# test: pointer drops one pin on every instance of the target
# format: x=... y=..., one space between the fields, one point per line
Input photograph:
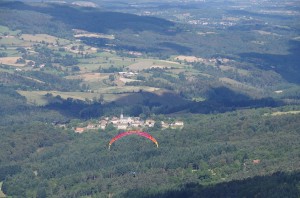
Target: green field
x=44 y=37
x=6 y=30
x=141 y=64
x=3 y=29
x=34 y=97
x=103 y=60
x=109 y=93
x=278 y=113
x=11 y=40
x=10 y=51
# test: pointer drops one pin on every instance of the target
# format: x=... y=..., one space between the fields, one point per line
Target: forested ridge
x=38 y=158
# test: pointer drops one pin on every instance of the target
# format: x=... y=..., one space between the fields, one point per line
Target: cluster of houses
x=135 y=53
x=207 y=61
x=127 y=74
x=124 y=123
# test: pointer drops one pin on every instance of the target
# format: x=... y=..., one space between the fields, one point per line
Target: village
x=127 y=123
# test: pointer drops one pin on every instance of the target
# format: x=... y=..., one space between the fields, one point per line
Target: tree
x=111 y=77
x=4 y=46
x=157 y=125
x=30 y=63
x=81 y=48
x=101 y=98
x=110 y=127
x=41 y=192
x=20 y=61
x=3 y=54
x=181 y=76
x=21 y=50
x=75 y=68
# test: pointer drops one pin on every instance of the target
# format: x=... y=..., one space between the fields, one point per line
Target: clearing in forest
x=38 y=97
x=11 y=61
x=82 y=33
x=34 y=97
x=189 y=58
x=43 y=38
x=149 y=64
x=141 y=65
x=284 y=113
x=89 y=76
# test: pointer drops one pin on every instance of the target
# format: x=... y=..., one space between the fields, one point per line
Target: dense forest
x=38 y=158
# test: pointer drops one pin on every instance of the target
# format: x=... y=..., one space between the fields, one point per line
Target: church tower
x=121 y=116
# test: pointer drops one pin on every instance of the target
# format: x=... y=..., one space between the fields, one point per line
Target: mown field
x=109 y=94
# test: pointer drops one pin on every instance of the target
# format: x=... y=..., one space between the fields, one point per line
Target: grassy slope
x=1 y=193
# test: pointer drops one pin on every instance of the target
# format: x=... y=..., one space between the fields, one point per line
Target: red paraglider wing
x=140 y=133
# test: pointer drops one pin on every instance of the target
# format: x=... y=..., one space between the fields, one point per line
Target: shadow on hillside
x=95 y=20
x=223 y=99
x=219 y=100
x=285 y=65
x=176 y=47
x=152 y=99
x=278 y=185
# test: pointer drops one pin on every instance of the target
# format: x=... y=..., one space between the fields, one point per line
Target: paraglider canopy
x=140 y=133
